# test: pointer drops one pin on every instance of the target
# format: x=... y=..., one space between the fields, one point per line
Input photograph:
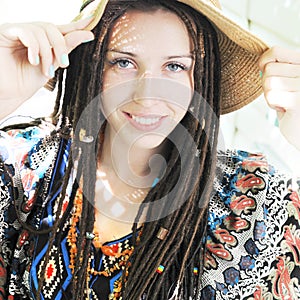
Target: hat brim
x=239 y=53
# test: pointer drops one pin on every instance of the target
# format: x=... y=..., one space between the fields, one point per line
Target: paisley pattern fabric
x=253 y=242
x=253 y=237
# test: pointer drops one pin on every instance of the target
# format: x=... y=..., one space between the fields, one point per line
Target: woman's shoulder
x=246 y=184
x=250 y=172
x=253 y=229
x=26 y=156
x=249 y=161
x=243 y=172
x=17 y=145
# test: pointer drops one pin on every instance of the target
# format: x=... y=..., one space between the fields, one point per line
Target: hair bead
x=90 y=235
x=196 y=271
x=160 y=269
x=162 y=233
x=85 y=138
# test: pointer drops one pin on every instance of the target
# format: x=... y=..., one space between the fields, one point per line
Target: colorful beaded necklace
x=114 y=250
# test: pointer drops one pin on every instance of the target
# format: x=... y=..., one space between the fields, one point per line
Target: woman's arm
x=29 y=55
x=281 y=84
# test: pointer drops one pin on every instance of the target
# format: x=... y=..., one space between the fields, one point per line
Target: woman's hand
x=29 y=55
x=281 y=84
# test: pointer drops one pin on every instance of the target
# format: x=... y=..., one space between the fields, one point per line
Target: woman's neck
x=124 y=179
x=133 y=165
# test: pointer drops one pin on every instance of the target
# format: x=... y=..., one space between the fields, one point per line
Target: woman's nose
x=148 y=89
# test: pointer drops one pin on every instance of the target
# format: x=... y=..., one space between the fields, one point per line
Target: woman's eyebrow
x=191 y=56
x=122 y=52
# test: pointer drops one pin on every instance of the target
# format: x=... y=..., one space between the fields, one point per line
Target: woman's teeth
x=145 y=121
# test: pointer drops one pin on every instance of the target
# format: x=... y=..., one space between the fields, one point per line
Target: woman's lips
x=145 y=122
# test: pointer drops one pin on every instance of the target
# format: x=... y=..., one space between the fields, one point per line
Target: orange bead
x=97 y=244
x=106 y=250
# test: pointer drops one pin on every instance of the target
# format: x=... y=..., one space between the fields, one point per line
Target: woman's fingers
x=45 y=53
x=279 y=54
x=18 y=36
x=281 y=78
x=54 y=51
x=47 y=44
x=63 y=39
x=30 y=53
x=75 y=38
x=282 y=69
x=281 y=85
x=282 y=101
x=73 y=26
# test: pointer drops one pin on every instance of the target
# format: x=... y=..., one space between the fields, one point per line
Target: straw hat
x=239 y=50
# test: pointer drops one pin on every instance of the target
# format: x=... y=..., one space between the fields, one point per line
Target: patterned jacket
x=253 y=238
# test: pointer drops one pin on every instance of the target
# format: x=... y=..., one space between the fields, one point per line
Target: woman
x=115 y=199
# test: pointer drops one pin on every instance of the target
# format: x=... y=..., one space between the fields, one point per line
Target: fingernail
x=279 y=109
x=260 y=74
x=35 y=60
x=65 y=59
x=86 y=41
x=51 y=71
x=90 y=16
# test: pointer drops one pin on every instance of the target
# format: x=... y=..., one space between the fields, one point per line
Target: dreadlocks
x=187 y=180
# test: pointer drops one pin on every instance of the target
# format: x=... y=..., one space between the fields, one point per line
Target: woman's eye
x=175 y=67
x=122 y=63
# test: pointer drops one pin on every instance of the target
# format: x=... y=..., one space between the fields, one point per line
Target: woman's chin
x=149 y=142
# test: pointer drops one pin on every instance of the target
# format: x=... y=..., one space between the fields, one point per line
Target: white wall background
x=254 y=127
x=251 y=128
x=57 y=11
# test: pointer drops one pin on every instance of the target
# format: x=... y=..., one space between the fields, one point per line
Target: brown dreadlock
x=182 y=249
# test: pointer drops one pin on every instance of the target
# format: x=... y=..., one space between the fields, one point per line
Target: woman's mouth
x=145 y=122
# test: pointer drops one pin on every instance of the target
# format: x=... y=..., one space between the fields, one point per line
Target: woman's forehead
x=136 y=26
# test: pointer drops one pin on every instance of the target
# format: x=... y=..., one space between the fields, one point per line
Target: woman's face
x=148 y=77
